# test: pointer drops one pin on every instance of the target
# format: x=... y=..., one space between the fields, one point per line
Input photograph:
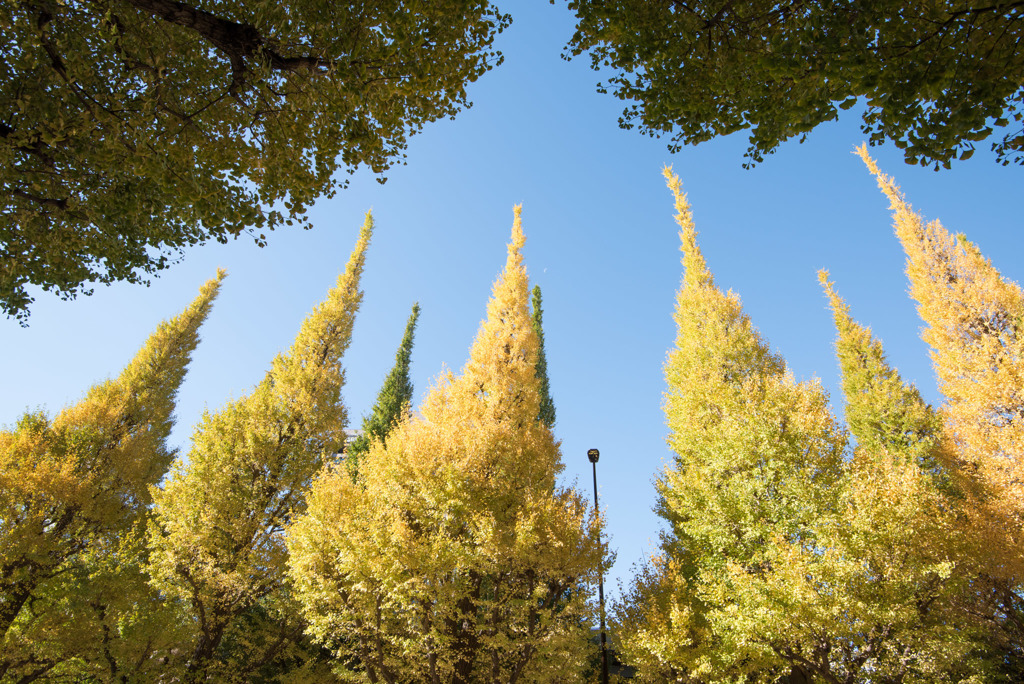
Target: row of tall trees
x=116 y=155
x=799 y=549
x=439 y=548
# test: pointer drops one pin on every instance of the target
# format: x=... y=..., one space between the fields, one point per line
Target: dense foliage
x=394 y=401
x=798 y=547
x=933 y=77
x=793 y=553
x=131 y=129
x=454 y=557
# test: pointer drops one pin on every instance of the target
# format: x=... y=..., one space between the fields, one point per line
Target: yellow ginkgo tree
x=790 y=554
x=757 y=458
x=974 y=322
x=216 y=543
x=455 y=557
x=75 y=487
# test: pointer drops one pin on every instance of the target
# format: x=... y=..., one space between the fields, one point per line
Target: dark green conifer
x=393 y=400
x=546 y=414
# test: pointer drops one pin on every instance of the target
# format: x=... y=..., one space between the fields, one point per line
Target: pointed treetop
x=974 y=320
x=327 y=330
x=697 y=272
x=503 y=357
x=136 y=409
x=712 y=330
x=883 y=412
x=216 y=524
x=546 y=414
x=87 y=474
x=393 y=401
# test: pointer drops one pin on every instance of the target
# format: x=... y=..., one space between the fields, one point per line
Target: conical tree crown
x=546 y=414
x=393 y=401
x=216 y=540
x=898 y=535
x=717 y=352
x=756 y=458
x=496 y=398
x=456 y=523
x=975 y=326
x=502 y=360
x=735 y=414
x=88 y=472
x=135 y=410
x=882 y=412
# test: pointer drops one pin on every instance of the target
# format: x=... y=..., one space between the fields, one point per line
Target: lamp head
x=593 y=455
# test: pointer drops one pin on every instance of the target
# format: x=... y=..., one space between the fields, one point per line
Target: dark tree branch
x=237 y=41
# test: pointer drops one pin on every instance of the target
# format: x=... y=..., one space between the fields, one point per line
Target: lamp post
x=593 y=455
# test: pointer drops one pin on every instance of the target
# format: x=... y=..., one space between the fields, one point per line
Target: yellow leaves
x=974 y=324
x=455 y=526
x=216 y=541
x=72 y=494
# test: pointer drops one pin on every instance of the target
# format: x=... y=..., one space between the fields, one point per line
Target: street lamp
x=593 y=455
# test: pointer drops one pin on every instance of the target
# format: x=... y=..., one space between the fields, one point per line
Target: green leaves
x=934 y=76
x=132 y=132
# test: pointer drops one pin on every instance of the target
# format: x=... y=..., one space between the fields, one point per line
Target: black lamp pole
x=593 y=455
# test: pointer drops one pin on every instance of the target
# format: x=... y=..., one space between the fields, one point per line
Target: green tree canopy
x=131 y=129
x=393 y=400
x=936 y=77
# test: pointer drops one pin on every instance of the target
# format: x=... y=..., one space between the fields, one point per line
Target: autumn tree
x=132 y=129
x=546 y=414
x=891 y=588
x=973 y=320
x=216 y=541
x=456 y=558
x=786 y=557
x=934 y=78
x=393 y=401
x=75 y=486
x=757 y=458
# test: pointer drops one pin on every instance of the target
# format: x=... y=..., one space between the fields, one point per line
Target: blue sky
x=601 y=243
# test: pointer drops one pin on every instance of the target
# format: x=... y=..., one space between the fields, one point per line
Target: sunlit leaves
x=934 y=77
x=126 y=138
x=216 y=541
x=455 y=558
x=73 y=491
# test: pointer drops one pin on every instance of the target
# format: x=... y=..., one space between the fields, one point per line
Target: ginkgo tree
x=456 y=558
x=75 y=487
x=133 y=129
x=975 y=326
x=216 y=539
x=790 y=554
x=757 y=459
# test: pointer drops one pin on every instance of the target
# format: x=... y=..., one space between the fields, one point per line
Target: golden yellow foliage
x=974 y=323
x=216 y=542
x=786 y=557
x=455 y=558
x=75 y=483
x=974 y=320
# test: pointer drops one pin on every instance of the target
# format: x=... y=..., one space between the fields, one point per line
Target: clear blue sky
x=601 y=243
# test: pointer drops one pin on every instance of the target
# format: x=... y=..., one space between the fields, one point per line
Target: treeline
x=439 y=547
x=800 y=549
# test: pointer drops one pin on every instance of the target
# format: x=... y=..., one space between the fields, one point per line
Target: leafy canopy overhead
x=935 y=77
x=131 y=129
